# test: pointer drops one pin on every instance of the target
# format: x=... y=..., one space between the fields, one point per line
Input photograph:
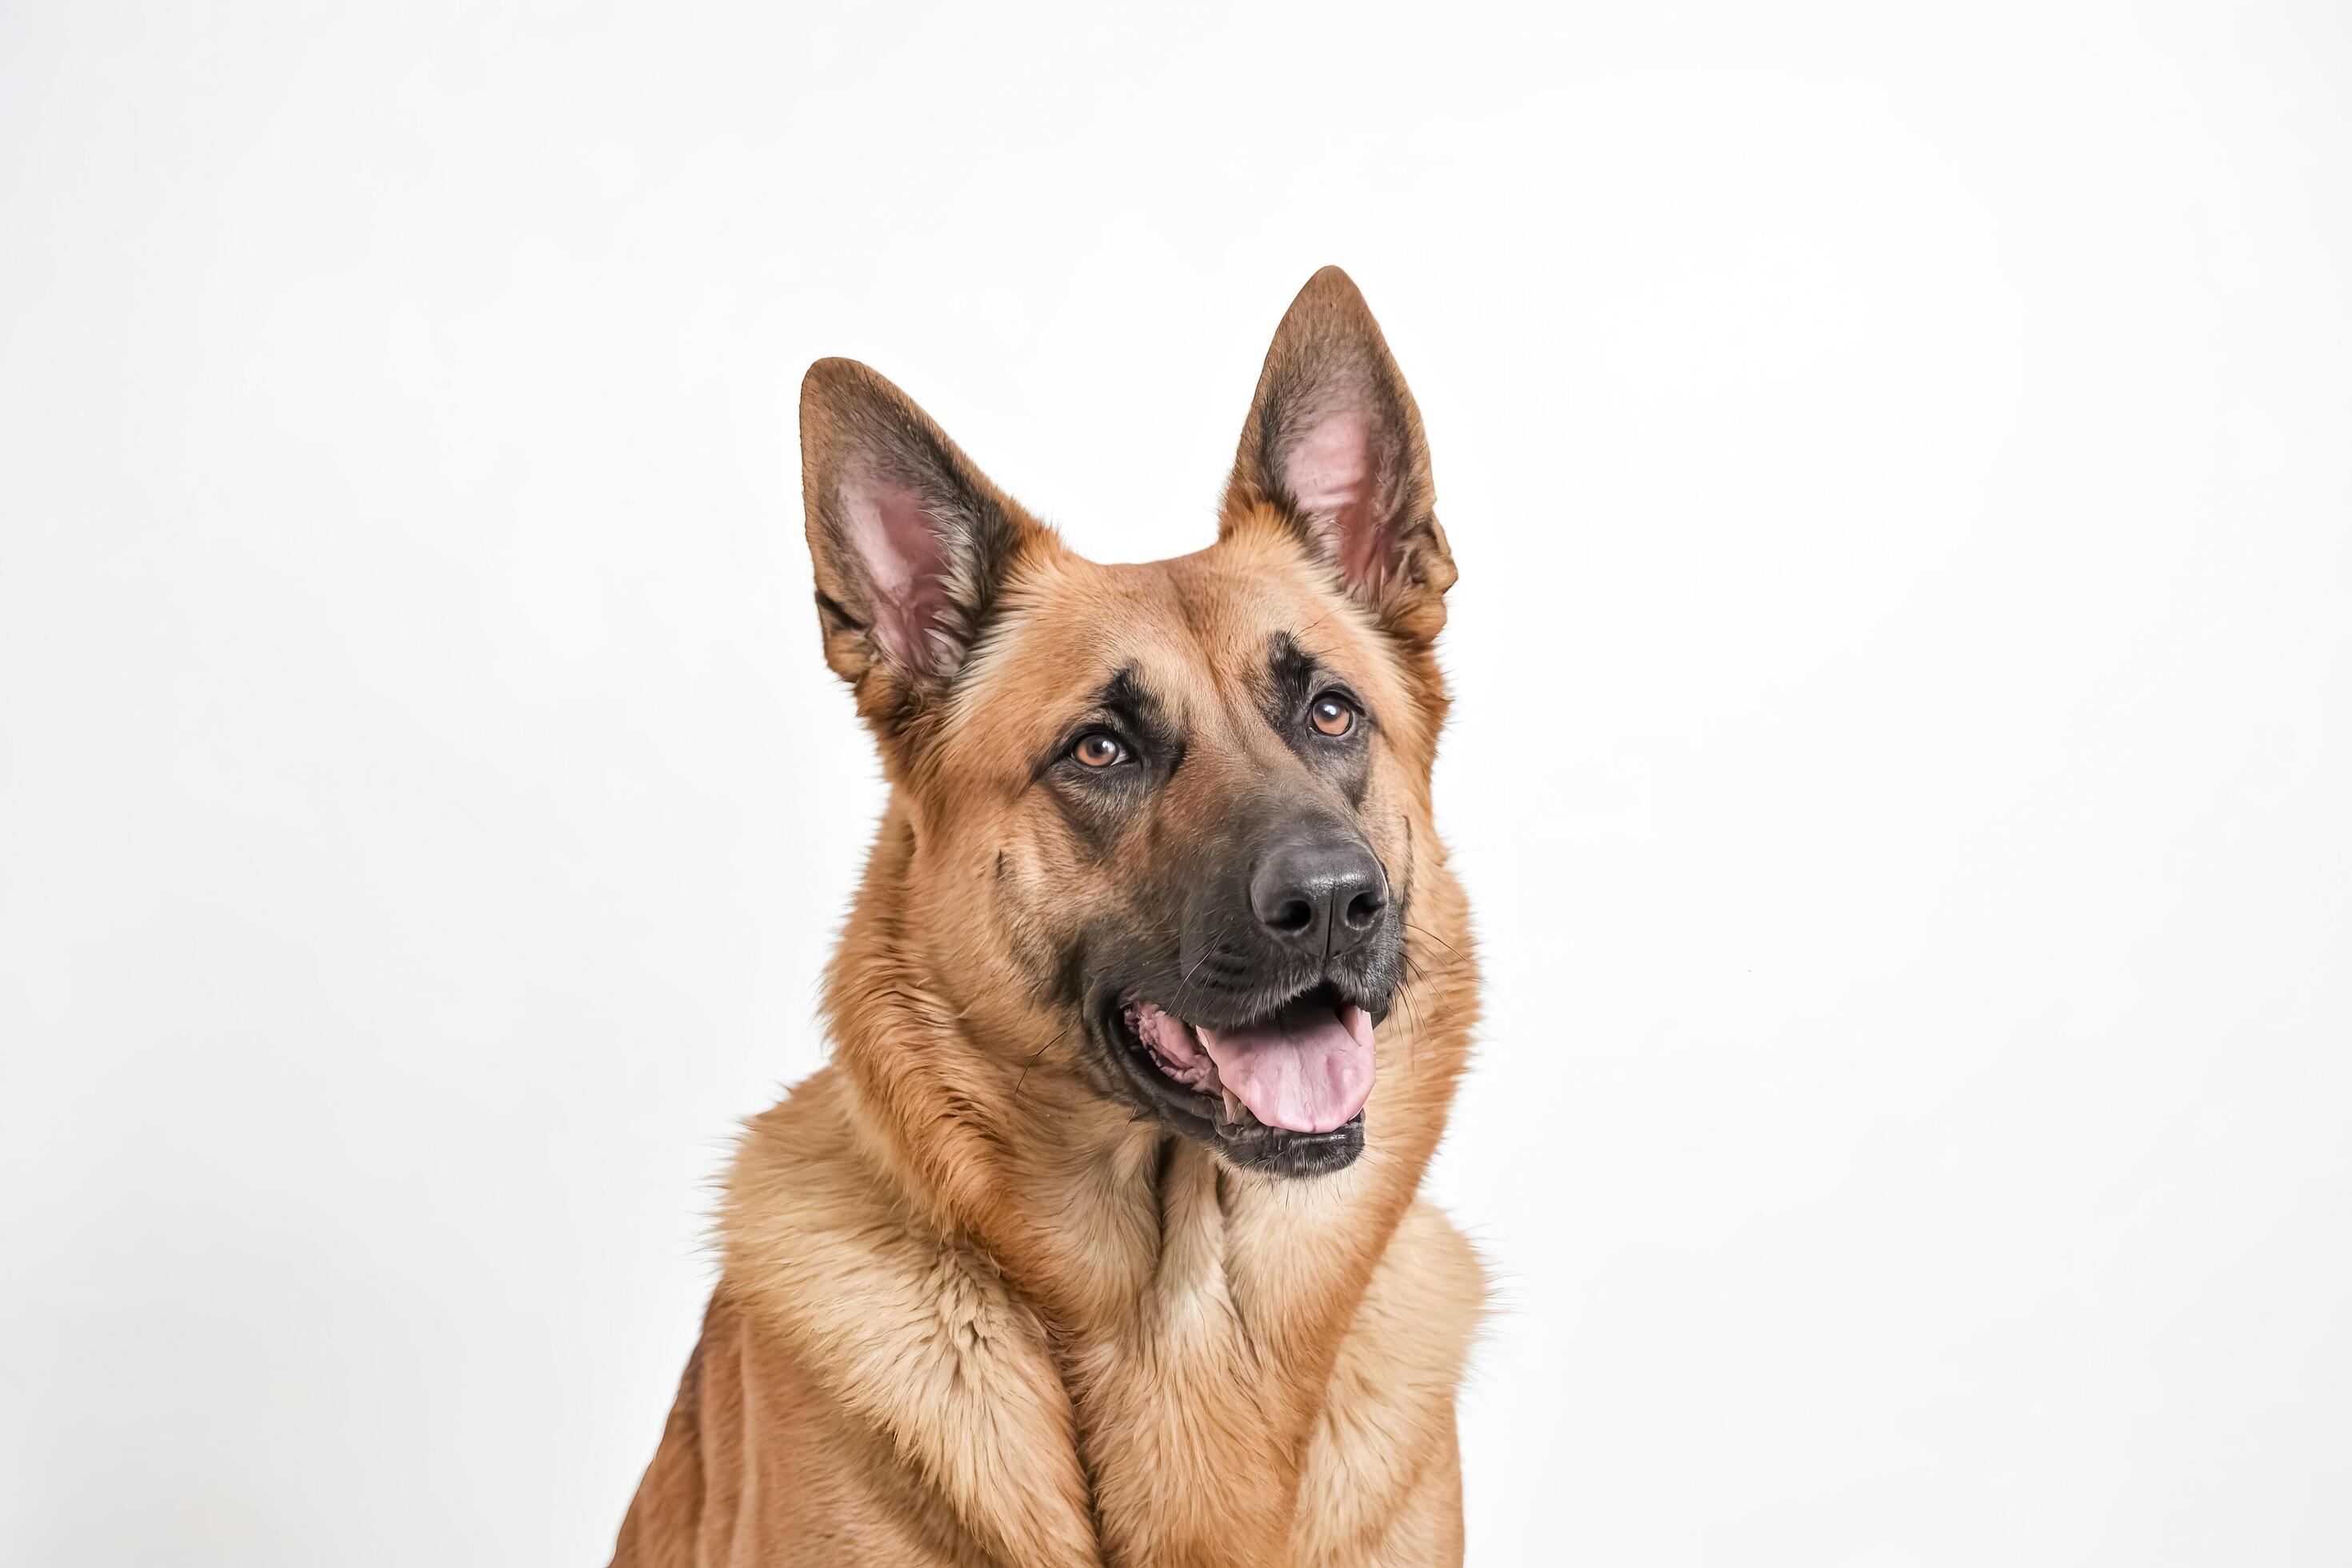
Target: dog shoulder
x=1382 y=1478
x=757 y=1465
x=904 y=1329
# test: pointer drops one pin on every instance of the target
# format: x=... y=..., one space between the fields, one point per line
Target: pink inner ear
x=1329 y=466
x=1329 y=472
x=904 y=553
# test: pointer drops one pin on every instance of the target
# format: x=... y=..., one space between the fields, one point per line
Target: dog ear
x=1334 y=445
x=911 y=543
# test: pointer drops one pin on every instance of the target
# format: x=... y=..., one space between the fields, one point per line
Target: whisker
x=1021 y=1082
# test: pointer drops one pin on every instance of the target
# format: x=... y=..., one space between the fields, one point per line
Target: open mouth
x=1299 y=1074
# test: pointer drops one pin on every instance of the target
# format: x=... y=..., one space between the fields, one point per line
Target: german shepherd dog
x=1098 y=1241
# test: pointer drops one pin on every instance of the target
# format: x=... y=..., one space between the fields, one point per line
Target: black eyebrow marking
x=1291 y=674
x=1123 y=697
x=1128 y=705
x=1294 y=674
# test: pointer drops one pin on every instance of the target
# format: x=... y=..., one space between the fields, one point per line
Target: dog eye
x=1331 y=715
x=1096 y=749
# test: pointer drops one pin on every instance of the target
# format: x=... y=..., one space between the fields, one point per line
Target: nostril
x=1293 y=916
x=1365 y=908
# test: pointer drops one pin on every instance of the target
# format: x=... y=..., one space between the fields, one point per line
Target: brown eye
x=1098 y=751
x=1331 y=716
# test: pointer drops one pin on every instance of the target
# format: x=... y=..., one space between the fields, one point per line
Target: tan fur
x=970 y=1311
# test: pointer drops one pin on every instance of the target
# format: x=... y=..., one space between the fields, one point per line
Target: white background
x=1898 y=467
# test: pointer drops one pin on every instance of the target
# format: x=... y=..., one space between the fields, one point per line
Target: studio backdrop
x=1897 y=463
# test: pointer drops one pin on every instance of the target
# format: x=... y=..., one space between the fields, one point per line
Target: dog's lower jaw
x=1295 y=1154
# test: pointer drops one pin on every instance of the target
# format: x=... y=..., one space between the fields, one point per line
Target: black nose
x=1322 y=893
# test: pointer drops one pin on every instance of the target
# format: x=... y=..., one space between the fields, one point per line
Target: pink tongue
x=1308 y=1070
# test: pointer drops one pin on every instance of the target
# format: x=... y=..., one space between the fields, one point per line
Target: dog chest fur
x=871 y=1363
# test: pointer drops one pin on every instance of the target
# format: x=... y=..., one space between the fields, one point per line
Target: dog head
x=1158 y=825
